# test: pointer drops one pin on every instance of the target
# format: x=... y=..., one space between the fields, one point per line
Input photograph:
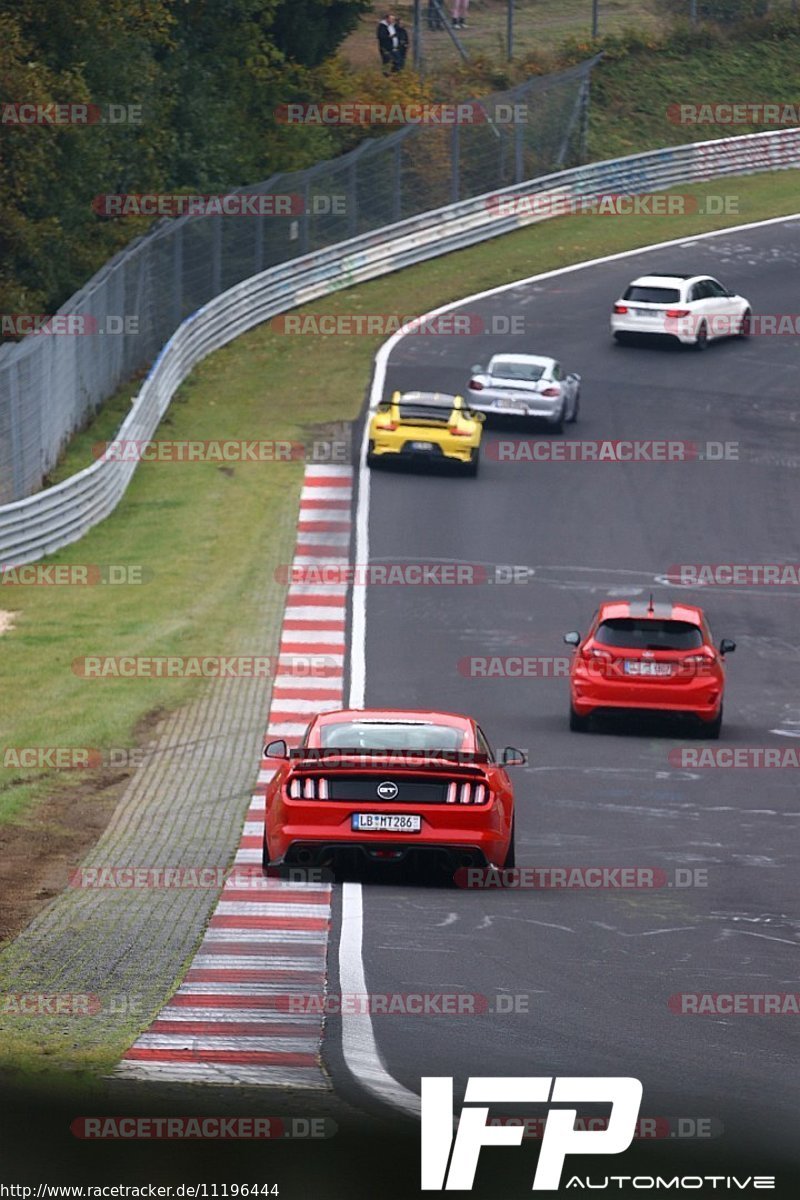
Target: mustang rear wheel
x=511 y=853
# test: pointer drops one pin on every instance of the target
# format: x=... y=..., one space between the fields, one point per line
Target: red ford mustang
x=390 y=786
x=648 y=657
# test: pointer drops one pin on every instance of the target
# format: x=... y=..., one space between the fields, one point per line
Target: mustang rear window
x=367 y=735
x=653 y=295
x=631 y=634
x=530 y=372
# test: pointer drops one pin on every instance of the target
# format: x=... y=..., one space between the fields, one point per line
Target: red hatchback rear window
x=632 y=634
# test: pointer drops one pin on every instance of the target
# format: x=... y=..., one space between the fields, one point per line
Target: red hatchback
x=657 y=658
x=390 y=786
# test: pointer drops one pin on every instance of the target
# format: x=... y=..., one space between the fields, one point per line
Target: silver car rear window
x=529 y=372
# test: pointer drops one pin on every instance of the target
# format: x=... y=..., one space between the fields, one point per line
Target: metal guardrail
x=44 y=523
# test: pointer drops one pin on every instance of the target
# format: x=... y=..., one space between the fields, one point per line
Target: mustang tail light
x=310 y=787
x=475 y=385
x=387 y=424
x=551 y=391
x=620 y=308
x=467 y=793
x=454 y=431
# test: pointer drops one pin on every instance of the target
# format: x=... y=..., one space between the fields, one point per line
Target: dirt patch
x=38 y=851
x=6 y=621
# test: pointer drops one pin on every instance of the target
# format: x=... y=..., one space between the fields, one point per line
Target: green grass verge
x=196 y=529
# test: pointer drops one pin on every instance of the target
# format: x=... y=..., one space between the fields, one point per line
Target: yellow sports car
x=426 y=427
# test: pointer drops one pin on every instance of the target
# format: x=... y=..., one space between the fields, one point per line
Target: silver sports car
x=526 y=385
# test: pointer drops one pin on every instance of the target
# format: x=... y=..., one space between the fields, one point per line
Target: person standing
x=388 y=42
x=434 y=16
x=460 y=10
x=399 y=55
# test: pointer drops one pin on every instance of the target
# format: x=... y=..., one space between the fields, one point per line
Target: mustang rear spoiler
x=389 y=758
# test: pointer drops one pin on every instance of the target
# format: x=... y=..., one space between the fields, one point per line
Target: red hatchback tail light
x=674 y=313
x=620 y=308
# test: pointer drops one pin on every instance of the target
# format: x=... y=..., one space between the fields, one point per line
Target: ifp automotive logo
x=449 y=1163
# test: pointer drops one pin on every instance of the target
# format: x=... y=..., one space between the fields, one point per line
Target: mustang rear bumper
x=307 y=832
x=353 y=854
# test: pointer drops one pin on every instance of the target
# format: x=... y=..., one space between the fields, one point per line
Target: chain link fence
x=51 y=384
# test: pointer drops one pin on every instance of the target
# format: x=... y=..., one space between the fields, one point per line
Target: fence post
x=693 y=11
x=258 y=257
x=397 y=189
x=510 y=30
x=15 y=429
x=177 y=274
x=519 y=152
x=595 y=16
x=216 y=261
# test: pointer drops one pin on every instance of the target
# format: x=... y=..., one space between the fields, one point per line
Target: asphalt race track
x=598 y=967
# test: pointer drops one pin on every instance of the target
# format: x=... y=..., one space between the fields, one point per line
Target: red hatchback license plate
x=634 y=666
